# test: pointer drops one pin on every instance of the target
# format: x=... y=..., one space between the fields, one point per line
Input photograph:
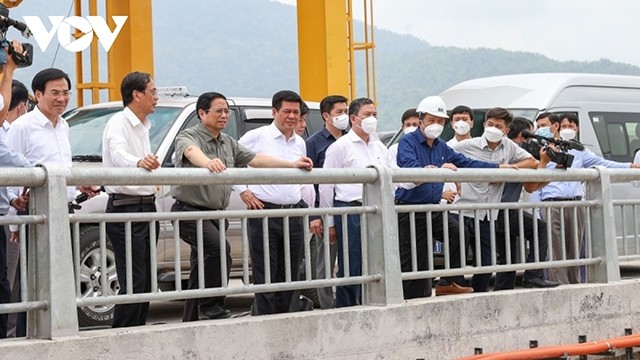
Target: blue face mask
x=545 y=131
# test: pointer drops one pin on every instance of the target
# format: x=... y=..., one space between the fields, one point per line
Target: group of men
x=347 y=140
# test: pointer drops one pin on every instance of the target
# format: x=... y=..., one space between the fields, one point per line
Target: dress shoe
x=452 y=289
x=216 y=312
x=539 y=283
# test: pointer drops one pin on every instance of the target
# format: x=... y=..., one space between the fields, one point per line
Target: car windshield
x=86 y=127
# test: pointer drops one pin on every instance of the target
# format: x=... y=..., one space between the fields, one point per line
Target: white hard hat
x=433 y=105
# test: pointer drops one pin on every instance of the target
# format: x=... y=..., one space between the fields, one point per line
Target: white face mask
x=369 y=125
x=341 y=122
x=409 y=129
x=433 y=131
x=492 y=134
x=568 y=134
x=461 y=127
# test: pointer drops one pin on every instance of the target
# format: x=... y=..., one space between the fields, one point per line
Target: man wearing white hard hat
x=424 y=149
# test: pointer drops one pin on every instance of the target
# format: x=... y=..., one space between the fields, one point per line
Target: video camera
x=22 y=60
x=560 y=157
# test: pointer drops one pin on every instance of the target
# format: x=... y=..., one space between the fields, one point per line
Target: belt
x=575 y=198
x=268 y=205
x=197 y=207
x=124 y=199
x=351 y=203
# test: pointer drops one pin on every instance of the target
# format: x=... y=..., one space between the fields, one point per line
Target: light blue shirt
x=582 y=160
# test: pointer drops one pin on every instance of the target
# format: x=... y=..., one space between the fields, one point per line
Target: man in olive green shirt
x=204 y=145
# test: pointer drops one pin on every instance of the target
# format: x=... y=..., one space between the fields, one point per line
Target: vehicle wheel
x=312 y=294
x=90 y=273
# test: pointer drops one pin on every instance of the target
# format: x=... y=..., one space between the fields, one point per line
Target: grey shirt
x=507 y=152
x=225 y=148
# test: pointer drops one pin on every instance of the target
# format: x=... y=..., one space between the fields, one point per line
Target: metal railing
x=51 y=290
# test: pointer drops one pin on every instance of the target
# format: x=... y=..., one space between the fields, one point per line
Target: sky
x=559 y=29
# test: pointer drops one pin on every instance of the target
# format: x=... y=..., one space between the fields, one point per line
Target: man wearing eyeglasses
x=125 y=143
x=206 y=146
x=42 y=137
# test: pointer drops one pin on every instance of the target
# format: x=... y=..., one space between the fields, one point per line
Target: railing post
x=52 y=268
x=382 y=238
x=603 y=232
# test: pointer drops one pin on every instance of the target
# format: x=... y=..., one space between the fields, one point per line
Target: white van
x=608 y=107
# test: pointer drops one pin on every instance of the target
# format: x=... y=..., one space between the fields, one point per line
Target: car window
x=87 y=125
x=618 y=134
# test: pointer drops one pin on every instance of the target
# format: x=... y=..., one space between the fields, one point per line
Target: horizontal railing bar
x=498 y=268
x=497 y=206
x=182 y=176
x=492 y=175
x=22 y=219
x=228 y=214
x=239 y=290
x=623 y=175
x=30 y=177
x=23 y=306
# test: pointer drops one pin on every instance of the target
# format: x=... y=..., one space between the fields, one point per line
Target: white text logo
x=63 y=27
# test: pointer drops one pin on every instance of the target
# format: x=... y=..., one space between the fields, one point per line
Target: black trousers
x=277 y=301
x=131 y=314
x=422 y=287
x=5 y=289
x=506 y=280
x=211 y=257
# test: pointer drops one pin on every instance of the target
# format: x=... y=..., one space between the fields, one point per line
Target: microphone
x=529 y=135
x=567 y=144
x=20 y=26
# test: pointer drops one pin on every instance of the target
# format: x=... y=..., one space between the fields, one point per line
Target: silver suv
x=172 y=115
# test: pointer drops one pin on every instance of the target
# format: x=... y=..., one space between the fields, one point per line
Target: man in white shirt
x=125 y=143
x=42 y=135
x=357 y=149
x=280 y=140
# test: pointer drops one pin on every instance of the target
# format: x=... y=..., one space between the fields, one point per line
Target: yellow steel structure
x=327 y=48
x=132 y=50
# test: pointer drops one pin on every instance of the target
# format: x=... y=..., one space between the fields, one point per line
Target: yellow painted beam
x=133 y=49
x=323 y=50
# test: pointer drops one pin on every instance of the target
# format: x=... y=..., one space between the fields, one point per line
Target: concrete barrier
x=433 y=328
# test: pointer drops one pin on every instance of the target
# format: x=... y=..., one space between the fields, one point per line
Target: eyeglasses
x=220 y=111
x=153 y=92
x=57 y=93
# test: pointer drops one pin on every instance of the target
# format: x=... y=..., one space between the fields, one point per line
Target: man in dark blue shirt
x=334 y=113
x=424 y=149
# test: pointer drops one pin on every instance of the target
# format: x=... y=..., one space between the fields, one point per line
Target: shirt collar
x=274 y=132
x=327 y=134
x=133 y=119
x=485 y=145
x=42 y=120
x=207 y=135
x=423 y=139
x=351 y=135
